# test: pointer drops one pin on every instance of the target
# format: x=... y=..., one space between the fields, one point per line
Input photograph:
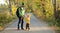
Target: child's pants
x=27 y=26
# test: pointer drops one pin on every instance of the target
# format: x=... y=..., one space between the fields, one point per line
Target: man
x=20 y=14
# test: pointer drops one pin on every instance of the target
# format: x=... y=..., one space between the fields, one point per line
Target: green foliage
x=41 y=8
x=4 y=18
x=45 y=10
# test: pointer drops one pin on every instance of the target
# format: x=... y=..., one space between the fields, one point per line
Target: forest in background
x=43 y=9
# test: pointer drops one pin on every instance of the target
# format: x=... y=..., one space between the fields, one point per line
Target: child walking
x=27 y=20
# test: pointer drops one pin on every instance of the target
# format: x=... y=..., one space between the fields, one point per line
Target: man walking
x=20 y=14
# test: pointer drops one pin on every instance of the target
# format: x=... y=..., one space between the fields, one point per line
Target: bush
x=5 y=18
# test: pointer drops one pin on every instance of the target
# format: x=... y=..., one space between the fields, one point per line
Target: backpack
x=20 y=12
x=17 y=13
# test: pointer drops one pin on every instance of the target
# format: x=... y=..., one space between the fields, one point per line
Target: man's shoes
x=22 y=29
x=18 y=29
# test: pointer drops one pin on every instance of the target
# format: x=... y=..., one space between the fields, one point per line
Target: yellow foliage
x=38 y=13
x=1 y=28
x=14 y=10
x=48 y=6
x=58 y=8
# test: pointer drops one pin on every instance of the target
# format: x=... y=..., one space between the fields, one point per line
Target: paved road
x=36 y=27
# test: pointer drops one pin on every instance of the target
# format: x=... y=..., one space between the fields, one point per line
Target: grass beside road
x=5 y=18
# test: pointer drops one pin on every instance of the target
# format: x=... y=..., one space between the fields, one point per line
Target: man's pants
x=20 y=21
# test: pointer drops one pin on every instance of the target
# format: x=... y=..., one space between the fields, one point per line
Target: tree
x=10 y=4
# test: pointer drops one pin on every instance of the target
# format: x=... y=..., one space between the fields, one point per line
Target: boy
x=27 y=20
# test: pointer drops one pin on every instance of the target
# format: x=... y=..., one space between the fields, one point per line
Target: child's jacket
x=27 y=19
